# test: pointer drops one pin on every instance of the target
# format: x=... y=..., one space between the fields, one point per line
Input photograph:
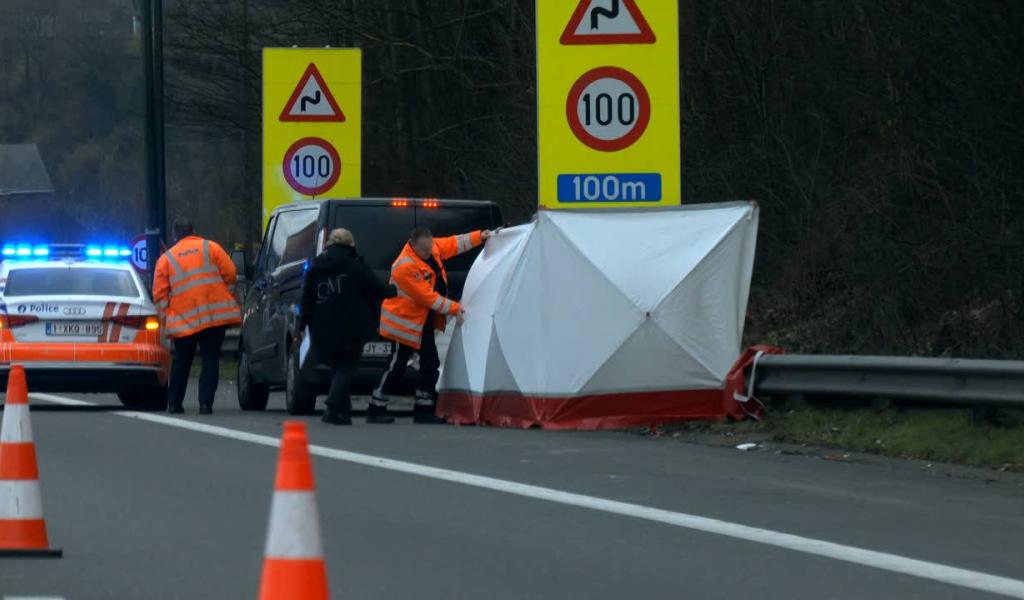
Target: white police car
x=80 y=319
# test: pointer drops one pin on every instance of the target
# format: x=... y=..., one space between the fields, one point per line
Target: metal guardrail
x=956 y=382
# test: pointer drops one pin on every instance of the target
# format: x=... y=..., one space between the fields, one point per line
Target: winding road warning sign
x=311 y=166
x=312 y=100
x=608 y=109
x=607 y=22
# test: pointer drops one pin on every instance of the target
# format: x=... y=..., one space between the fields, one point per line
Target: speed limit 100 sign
x=312 y=112
x=608 y=109
x=608 y=103
x=311 y=166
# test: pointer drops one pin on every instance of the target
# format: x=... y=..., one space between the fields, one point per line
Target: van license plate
x=75 y=328
x=377 y=349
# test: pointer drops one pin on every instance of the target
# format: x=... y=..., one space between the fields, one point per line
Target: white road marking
x=895 y=563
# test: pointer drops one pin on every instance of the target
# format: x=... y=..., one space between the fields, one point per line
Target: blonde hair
x=341 y=237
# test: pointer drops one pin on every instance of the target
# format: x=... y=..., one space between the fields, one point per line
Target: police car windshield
x=70 y=281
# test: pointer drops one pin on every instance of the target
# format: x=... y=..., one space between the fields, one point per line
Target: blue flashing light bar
x=64 y=251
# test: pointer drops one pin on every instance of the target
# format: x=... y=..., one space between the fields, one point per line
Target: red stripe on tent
x=604 y=411
x=18 y=461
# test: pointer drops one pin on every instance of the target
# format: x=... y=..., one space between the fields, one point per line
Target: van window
x=380 y=231
x=293 y=238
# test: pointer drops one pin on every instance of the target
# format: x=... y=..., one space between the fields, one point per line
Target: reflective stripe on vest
x=181 y=274
x=465 y=242
x=400 y=334
x=206 y=279
x=201 y=309
x=228 y=315
x=390 y=316
x=442 y=305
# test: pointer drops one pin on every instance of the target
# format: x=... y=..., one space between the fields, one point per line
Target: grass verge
x=939 y=435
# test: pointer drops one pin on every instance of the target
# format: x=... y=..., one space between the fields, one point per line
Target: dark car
x=294 y=235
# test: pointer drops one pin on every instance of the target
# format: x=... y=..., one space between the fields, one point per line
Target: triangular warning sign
x=312 y=100
x=607 y=22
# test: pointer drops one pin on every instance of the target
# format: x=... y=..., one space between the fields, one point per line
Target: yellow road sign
x=312 y=124
x=608 y=103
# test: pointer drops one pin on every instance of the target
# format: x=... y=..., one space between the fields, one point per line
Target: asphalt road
x=148 y=509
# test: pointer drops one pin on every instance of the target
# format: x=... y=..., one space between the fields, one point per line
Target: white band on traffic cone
x=20 y=500
x=294 y=527
x=17 y=427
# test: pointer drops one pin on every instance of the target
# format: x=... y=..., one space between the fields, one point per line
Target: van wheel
x=150 y=397
x=251 y=395
x=299 y=398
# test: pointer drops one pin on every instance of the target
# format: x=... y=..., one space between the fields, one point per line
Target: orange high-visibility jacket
x=403 y=317
x=190 y=287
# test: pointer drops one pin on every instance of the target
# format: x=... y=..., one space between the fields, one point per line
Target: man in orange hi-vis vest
x=191 y=288
x=410 y=318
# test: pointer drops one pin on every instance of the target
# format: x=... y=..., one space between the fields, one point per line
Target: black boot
x=426 y=415
x=205 y=409
x=336 y=418
x=175 y=409
x=378 y=414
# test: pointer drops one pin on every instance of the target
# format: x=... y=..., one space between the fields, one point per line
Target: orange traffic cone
x=22 y=526
x=293 y=561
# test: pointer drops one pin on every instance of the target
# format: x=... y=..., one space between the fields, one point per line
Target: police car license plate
x=377 y=349
x=75 y=328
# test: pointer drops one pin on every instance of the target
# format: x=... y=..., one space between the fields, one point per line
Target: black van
x=294 y=235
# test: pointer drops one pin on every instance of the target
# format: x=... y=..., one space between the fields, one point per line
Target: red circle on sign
x=331 y=179
x=136 y=257
x=643 y=115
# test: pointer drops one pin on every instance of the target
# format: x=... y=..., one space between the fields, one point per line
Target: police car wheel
x=299 y=399
x=251 y=395
x=145 y=398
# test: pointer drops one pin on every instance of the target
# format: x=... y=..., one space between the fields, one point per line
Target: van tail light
x=149 y=323
x=399 y=202
x=13 y=321
x=431 y=203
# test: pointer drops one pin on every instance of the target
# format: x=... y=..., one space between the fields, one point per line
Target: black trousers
x=426 y=381
x=209 y=342
x=339 y=398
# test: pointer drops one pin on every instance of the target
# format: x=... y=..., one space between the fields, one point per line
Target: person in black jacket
x=341 y=298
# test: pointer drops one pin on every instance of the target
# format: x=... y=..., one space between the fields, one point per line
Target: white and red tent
x=598 y=319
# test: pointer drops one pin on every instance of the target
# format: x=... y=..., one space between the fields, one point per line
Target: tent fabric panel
x=704 y=314
x=559 y=302
x=650 y=360
x=669 y=244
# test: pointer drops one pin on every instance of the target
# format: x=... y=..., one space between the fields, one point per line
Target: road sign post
x=608 y=103
x=312 y=110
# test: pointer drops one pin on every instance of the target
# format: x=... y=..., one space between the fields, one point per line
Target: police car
x=80 y=320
